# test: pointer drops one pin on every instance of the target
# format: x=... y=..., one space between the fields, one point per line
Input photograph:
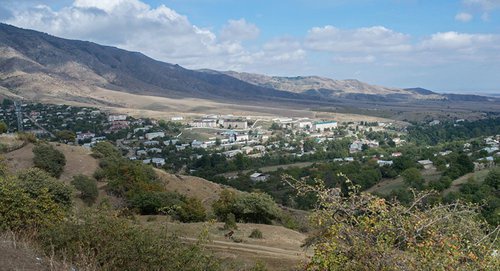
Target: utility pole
x=19 y=114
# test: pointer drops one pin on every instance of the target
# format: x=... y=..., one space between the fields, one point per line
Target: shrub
x=3 y=127
x=34 y=181
x=249 y=207
x=22 y=208
x=230 y=222
x=360 y=231
x=87 y=187
x=49 y=159
x=192 y=210
x=27 y=137
x=103 y=241
x=256 y=234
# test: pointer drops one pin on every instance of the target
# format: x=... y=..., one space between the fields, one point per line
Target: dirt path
x=257 y=249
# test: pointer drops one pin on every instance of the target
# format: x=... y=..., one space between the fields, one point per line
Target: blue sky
x=446 y=45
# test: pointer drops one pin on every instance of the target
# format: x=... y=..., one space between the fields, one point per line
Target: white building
x=235 y=124
x=321 y=126
x=150 y=136
x=177 y=118
x=112 y=118
x=259 y=177
x=158 y=162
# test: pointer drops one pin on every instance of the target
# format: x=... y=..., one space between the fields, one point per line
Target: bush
x=87 y=187
x=49 y=159
x=248 y=207
x=360 y=231
x=256 y=234
x=34 y=181
x=100 y=240
x=27 y=137
x=3 y=127
x=230 y=222
x=22 y=208
x=192 y=210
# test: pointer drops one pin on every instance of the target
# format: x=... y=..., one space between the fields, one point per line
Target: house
x=112 y=118
x=176 y=118
x=204 y=123
x=230 y=154
x=83 y=136
x=159 y=162
x=150 y=136
x=259 y=177
x=198 y=144
x=235 y=124
x=434 y=122
x=141 y=152
x=146 y=161
x=427 y=164
x=323 y=125
x=384 y=163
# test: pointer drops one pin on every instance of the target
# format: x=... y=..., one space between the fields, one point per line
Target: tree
x=3 y=127
x=66 y=135
x=49 y=159
x=413 y=178
x=493 y=178
x=360 y=231
x=87 y=187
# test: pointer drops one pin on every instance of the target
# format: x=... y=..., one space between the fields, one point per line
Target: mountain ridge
x=37 y=66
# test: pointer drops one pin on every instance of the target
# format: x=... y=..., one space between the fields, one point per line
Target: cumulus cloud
x=463 y=17
x=239 y=30
x=366 y=39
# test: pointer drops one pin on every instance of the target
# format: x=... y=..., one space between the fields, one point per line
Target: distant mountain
x=34 y=64
x=421 y=91
x=38 y=66
x=330 y=88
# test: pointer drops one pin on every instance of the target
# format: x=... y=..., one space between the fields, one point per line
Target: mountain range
x=38 y=66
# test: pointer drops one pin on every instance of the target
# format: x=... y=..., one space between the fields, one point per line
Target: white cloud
x=483 y=6
x=463 y=17
x=459 y=41
x=239 y=30
x=366 y=39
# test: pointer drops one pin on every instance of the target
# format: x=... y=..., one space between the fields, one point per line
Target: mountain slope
x=35 y=64
x=330 y=88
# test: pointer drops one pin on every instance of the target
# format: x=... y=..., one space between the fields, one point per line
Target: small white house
x=427 y=164
x=150 y=136
x=259 y=177
x=158 y=162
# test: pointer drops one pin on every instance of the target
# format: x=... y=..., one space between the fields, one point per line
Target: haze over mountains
x=37 y=66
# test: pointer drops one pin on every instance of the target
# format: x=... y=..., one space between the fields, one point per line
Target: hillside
x=36 y=65
x=329 y=88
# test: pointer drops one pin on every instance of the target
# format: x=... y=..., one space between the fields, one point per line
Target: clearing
x=280 y=248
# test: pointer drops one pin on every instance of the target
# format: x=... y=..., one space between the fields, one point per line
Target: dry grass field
x=279 y=249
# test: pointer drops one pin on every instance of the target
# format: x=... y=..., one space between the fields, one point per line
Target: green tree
x=493 y=178
x=413 y=178
x=66 y=135
x=3 y=127
x=87 y=187
x=49 y=159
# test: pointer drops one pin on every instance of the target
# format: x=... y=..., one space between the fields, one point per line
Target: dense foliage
x=246 y=207
x=102 y=241
x=141 y=188
x=87 y=187
x=450 y=131
x=49 y=159
x=359 y=231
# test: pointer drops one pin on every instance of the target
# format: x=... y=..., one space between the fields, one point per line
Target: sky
x=442 y=45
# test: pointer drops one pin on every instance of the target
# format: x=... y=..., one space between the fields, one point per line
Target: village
x=177 y=143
